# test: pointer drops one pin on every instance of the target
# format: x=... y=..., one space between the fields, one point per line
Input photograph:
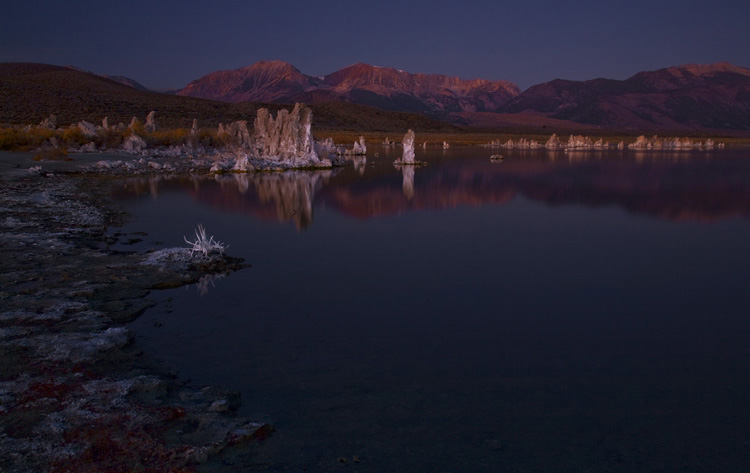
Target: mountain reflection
x=677 y=187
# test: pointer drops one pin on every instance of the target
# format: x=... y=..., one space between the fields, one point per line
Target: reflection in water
x=359 y=163
x=291 y=192
x=408 y=183
x=202 y=284
x=676 y=186
x=540 y=336
x=281 y=196
x=243 y=183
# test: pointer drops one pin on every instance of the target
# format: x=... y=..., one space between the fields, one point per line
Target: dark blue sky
x=166 y=44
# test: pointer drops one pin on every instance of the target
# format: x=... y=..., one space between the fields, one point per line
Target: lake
x=561 y=312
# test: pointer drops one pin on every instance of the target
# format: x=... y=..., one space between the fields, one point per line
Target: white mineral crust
x=359 y=147
x=407 y=156
x=287 y=139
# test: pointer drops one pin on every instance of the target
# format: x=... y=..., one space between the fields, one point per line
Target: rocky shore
x=76 y=394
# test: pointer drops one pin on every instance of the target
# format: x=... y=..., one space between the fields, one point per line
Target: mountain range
x=31 y=92
x=715 y=96
x=383 y=87
x=371 y=98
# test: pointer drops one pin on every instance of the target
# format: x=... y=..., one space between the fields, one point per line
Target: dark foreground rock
x=75 y=392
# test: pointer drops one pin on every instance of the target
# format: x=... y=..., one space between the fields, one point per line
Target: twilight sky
x=166 y=44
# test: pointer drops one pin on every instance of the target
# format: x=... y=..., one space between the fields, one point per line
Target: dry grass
x=19 y=139
x=29 y=93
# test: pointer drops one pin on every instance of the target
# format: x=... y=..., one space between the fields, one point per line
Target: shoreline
x=76 y=394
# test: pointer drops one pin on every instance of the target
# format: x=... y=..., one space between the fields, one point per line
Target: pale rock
x=105 y=123
x=446 y=145
x=89 y=147
x=88 y=129
x=134 y=122
x=327 y=148
x=359 y=147
x=579 y=142
x=493 y=144
x=640 y=143
x=522 y=143
x=134 y=144
x=407 y=156
x=287 y=139
x=49 y=122
x=553 y=142
x=242 y=164
x=150 y=125
x=194 y=128
x=238 y=134
x=104 y=164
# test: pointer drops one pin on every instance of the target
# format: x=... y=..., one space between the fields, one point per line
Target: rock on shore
x=75 y=392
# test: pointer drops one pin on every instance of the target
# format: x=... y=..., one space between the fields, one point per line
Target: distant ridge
x=121 y=79
x=383 y=87
x=692 y=96
x=30 y=92
x=688 y=97
x=264 y=81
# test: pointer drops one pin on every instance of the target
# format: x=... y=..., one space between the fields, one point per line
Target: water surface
x=551 y=312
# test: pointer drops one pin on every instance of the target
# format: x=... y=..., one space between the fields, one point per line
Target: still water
x=551 y=312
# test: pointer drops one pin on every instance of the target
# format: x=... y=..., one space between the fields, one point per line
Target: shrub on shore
x=177 y=137
x=16 y=139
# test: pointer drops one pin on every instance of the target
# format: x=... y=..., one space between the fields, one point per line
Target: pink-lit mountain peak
x=264 y=81
x=366 y=76
x=384 y=87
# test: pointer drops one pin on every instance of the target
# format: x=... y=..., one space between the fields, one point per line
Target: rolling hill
x=715 y=96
